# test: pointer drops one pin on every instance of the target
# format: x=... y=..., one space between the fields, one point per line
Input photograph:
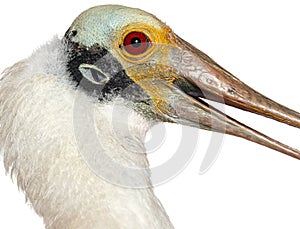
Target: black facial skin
x=119 y=83
x=101 y=58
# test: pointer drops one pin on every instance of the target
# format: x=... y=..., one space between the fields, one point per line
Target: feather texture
x=40 y=147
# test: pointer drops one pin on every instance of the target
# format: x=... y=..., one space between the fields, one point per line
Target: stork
x=112 y=62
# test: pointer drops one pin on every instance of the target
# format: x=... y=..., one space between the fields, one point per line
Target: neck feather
x=50 y=147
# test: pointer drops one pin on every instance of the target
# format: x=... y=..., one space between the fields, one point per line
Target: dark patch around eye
x=118 y=84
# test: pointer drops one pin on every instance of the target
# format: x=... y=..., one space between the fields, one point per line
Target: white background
x=249 y=186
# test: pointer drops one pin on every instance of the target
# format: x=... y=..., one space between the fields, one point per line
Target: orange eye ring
x=136 y=43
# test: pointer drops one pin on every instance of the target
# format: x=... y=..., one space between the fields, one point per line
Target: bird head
x=119 y=51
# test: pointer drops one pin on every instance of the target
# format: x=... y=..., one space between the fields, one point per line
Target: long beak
x=198 y=76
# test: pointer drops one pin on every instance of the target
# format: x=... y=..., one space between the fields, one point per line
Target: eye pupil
x=136 y=43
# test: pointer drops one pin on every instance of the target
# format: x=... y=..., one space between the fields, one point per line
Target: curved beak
x=190 y=76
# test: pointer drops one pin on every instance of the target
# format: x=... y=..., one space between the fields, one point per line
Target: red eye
x=136 y=43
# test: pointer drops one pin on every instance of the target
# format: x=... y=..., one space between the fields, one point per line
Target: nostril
x=231 y=91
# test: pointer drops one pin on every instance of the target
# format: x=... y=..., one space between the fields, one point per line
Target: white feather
x=38 y=140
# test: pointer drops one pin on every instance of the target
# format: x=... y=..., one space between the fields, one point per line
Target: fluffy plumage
x=68 y=145
x=40 y=148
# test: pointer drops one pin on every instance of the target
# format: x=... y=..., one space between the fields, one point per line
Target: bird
x=75 y=114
